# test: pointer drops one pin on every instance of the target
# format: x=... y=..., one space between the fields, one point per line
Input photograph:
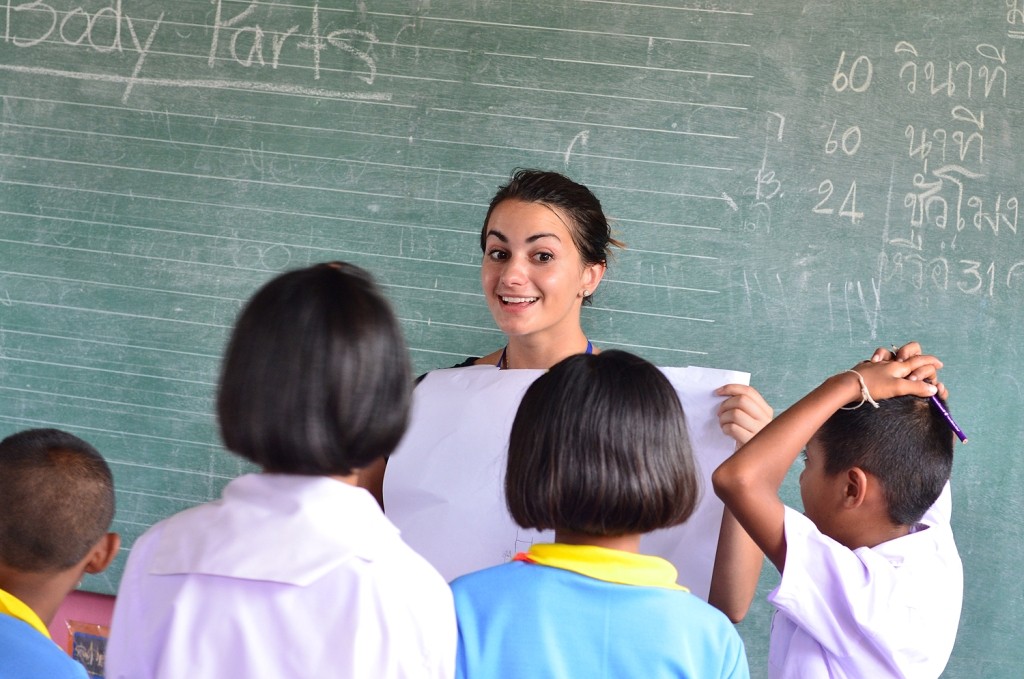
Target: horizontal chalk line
x=246 y=85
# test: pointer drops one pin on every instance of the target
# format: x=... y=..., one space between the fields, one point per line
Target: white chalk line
x=619 y=281
x=238 y=85
x=700 y=10
x=198 y=234
x=620 y=97
x=236 y=267
x=133 y=406
x=444 y=324
x=610 y=64
x=121 y=314
x=672 y=317
x=581 y=123
x=610 y=343
x=578 y=31
x=103 y=343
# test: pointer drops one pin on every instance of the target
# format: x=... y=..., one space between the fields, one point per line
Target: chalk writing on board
x=956 y=80
x=1015 y=14
x=847 y=140
x=767 y=186
x=582 y=138
x=830 y=203
x=240 y=39
x=267 y=257
x=942 y=201
x=854 y=75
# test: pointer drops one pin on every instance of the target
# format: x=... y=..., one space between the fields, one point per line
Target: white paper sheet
x=444 y=484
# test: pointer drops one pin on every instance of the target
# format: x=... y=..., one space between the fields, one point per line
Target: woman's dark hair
x=58 y=500
x=905 y=443
x=316 y=377
x=599 y=447
x=588 y=225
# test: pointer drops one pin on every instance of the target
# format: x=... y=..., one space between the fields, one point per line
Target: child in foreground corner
x=295 y=571
x=872 y=583
x=600 y=454
x=56 y=505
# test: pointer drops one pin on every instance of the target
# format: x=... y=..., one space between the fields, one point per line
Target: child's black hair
x=316 y=377
x=56 y=500
x=905 y=443
x=599 y=447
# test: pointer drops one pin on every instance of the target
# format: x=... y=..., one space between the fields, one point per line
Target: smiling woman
x=546 y=244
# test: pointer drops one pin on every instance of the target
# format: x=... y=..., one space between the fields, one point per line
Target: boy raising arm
x=871 y=580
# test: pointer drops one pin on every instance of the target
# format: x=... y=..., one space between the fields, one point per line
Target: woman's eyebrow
x=537 y=236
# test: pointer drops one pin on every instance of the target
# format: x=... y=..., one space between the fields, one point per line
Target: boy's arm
x=749 y=481
x=738 y=559
x=737 y=569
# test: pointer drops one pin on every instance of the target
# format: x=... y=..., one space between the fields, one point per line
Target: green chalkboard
x=797 y=182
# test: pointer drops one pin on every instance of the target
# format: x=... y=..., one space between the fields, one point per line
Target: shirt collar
x=16 y=608
x=275 y=527
x=609 y=565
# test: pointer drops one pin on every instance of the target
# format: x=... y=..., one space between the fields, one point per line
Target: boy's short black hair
x=56 y=500
x=599 y=447
x=316 y=377
x=905 y=443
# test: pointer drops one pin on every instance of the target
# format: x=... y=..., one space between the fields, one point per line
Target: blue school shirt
x=26 y=650
x=578 y=611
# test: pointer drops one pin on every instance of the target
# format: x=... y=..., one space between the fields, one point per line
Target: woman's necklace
x=503 y=359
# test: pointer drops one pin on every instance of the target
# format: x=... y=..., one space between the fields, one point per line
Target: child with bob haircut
x=599 y=453
x=56 y=505
x=294 y=572
x=872 y=583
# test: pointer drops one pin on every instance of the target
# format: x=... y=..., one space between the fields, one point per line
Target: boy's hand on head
x=910 y=377
x=908 y=351
x=743 y=413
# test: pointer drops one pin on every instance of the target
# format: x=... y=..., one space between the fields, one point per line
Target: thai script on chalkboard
x=944 y=170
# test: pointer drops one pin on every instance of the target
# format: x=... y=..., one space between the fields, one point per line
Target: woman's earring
x=586 y=293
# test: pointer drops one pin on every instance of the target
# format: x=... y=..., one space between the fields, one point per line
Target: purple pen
x=949 y=418
x=942 y=409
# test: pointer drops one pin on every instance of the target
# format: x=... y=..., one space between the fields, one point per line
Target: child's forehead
x=815 y=450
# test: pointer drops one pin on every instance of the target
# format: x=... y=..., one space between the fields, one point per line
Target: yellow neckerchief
x=16 y=608
x=601 y=563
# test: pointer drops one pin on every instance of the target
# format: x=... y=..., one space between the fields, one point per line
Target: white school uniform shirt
x=887 y=611
x=284 y=576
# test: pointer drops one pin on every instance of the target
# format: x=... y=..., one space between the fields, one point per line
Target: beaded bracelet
x=865 y=395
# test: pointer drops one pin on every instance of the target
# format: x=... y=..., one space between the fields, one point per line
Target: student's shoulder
x=27 y=653
x=693 y=610
x=489 y=580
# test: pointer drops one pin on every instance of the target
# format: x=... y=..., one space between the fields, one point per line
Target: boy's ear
x=102 y=553
x=855 y=488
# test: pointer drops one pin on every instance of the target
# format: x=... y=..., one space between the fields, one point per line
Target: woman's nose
x=514 y=272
